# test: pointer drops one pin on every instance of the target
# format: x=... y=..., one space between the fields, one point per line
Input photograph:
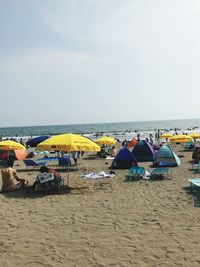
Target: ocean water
x=119 y=130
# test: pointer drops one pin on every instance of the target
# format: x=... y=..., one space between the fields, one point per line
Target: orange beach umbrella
x=12 y=149
x=18 y=154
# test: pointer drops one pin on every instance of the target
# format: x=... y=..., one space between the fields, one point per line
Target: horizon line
x=42 y=125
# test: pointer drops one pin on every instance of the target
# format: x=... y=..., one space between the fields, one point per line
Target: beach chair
x=159 y=173
x=189 y=146
x=194 y=183
x=64 y=161
x=47 y=182
x=48 y=159
x=135 y=173
x=32 y=163
x=196 y=167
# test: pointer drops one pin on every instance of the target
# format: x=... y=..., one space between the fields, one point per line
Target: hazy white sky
x=90 y=61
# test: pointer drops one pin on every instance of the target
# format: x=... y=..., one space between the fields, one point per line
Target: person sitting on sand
x=49 y=170
x=113 y=152
x=10 y=179
x=49 y=179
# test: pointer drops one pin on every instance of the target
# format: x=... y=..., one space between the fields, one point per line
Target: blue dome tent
x=143 y=151
x=123 y=160
x=166 y=157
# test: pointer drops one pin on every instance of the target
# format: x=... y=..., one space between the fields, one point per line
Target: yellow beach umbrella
x=68 y=142
x=106 y=140
x=195 y=135
x=10 y=145
x=11 y=149
x=166 y=135
x=181 y=138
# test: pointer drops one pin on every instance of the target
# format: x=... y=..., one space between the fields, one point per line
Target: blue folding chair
x=196 y=167
x=135 y=173
x=32 y=163
x=194 y=184
x=159 y=173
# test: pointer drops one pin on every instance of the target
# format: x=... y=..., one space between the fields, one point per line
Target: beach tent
x=143 y=151
x=132 y=143
x=36 y=140
x=166 y=157
x=124 y=159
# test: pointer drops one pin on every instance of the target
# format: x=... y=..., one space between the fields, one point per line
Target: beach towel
x=99 y=175
x=110 y=157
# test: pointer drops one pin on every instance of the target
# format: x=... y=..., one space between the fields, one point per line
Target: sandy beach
x=106 y=222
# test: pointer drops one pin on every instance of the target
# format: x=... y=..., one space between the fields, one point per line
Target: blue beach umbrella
x=35 y=141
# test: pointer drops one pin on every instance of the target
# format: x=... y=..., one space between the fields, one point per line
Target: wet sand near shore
x=106 y=222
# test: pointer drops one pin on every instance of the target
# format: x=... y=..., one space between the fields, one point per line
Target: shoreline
x=103 y=128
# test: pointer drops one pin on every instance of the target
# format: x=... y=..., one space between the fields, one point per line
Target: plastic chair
x=135 y=173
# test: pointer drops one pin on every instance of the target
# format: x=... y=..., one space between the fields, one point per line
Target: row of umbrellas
x=103 y=140
x=75 y=142
x=181 y=138
x=62 y=142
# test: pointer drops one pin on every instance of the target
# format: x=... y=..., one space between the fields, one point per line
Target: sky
x=90 y=61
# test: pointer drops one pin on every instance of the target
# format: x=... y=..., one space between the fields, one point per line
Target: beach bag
x=47 y=182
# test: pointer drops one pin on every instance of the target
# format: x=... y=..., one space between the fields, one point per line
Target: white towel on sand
x=99 y=175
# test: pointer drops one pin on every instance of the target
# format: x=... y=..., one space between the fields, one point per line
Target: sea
x=119 y=130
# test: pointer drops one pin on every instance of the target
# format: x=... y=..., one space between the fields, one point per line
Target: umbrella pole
x=68 y=173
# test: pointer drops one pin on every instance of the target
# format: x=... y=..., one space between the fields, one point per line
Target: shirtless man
x=10 y=179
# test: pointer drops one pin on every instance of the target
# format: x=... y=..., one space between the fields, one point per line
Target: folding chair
x=196 y=167
x=194 y=182
x=32 y=163
x=159 y=173
x=135 y=173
